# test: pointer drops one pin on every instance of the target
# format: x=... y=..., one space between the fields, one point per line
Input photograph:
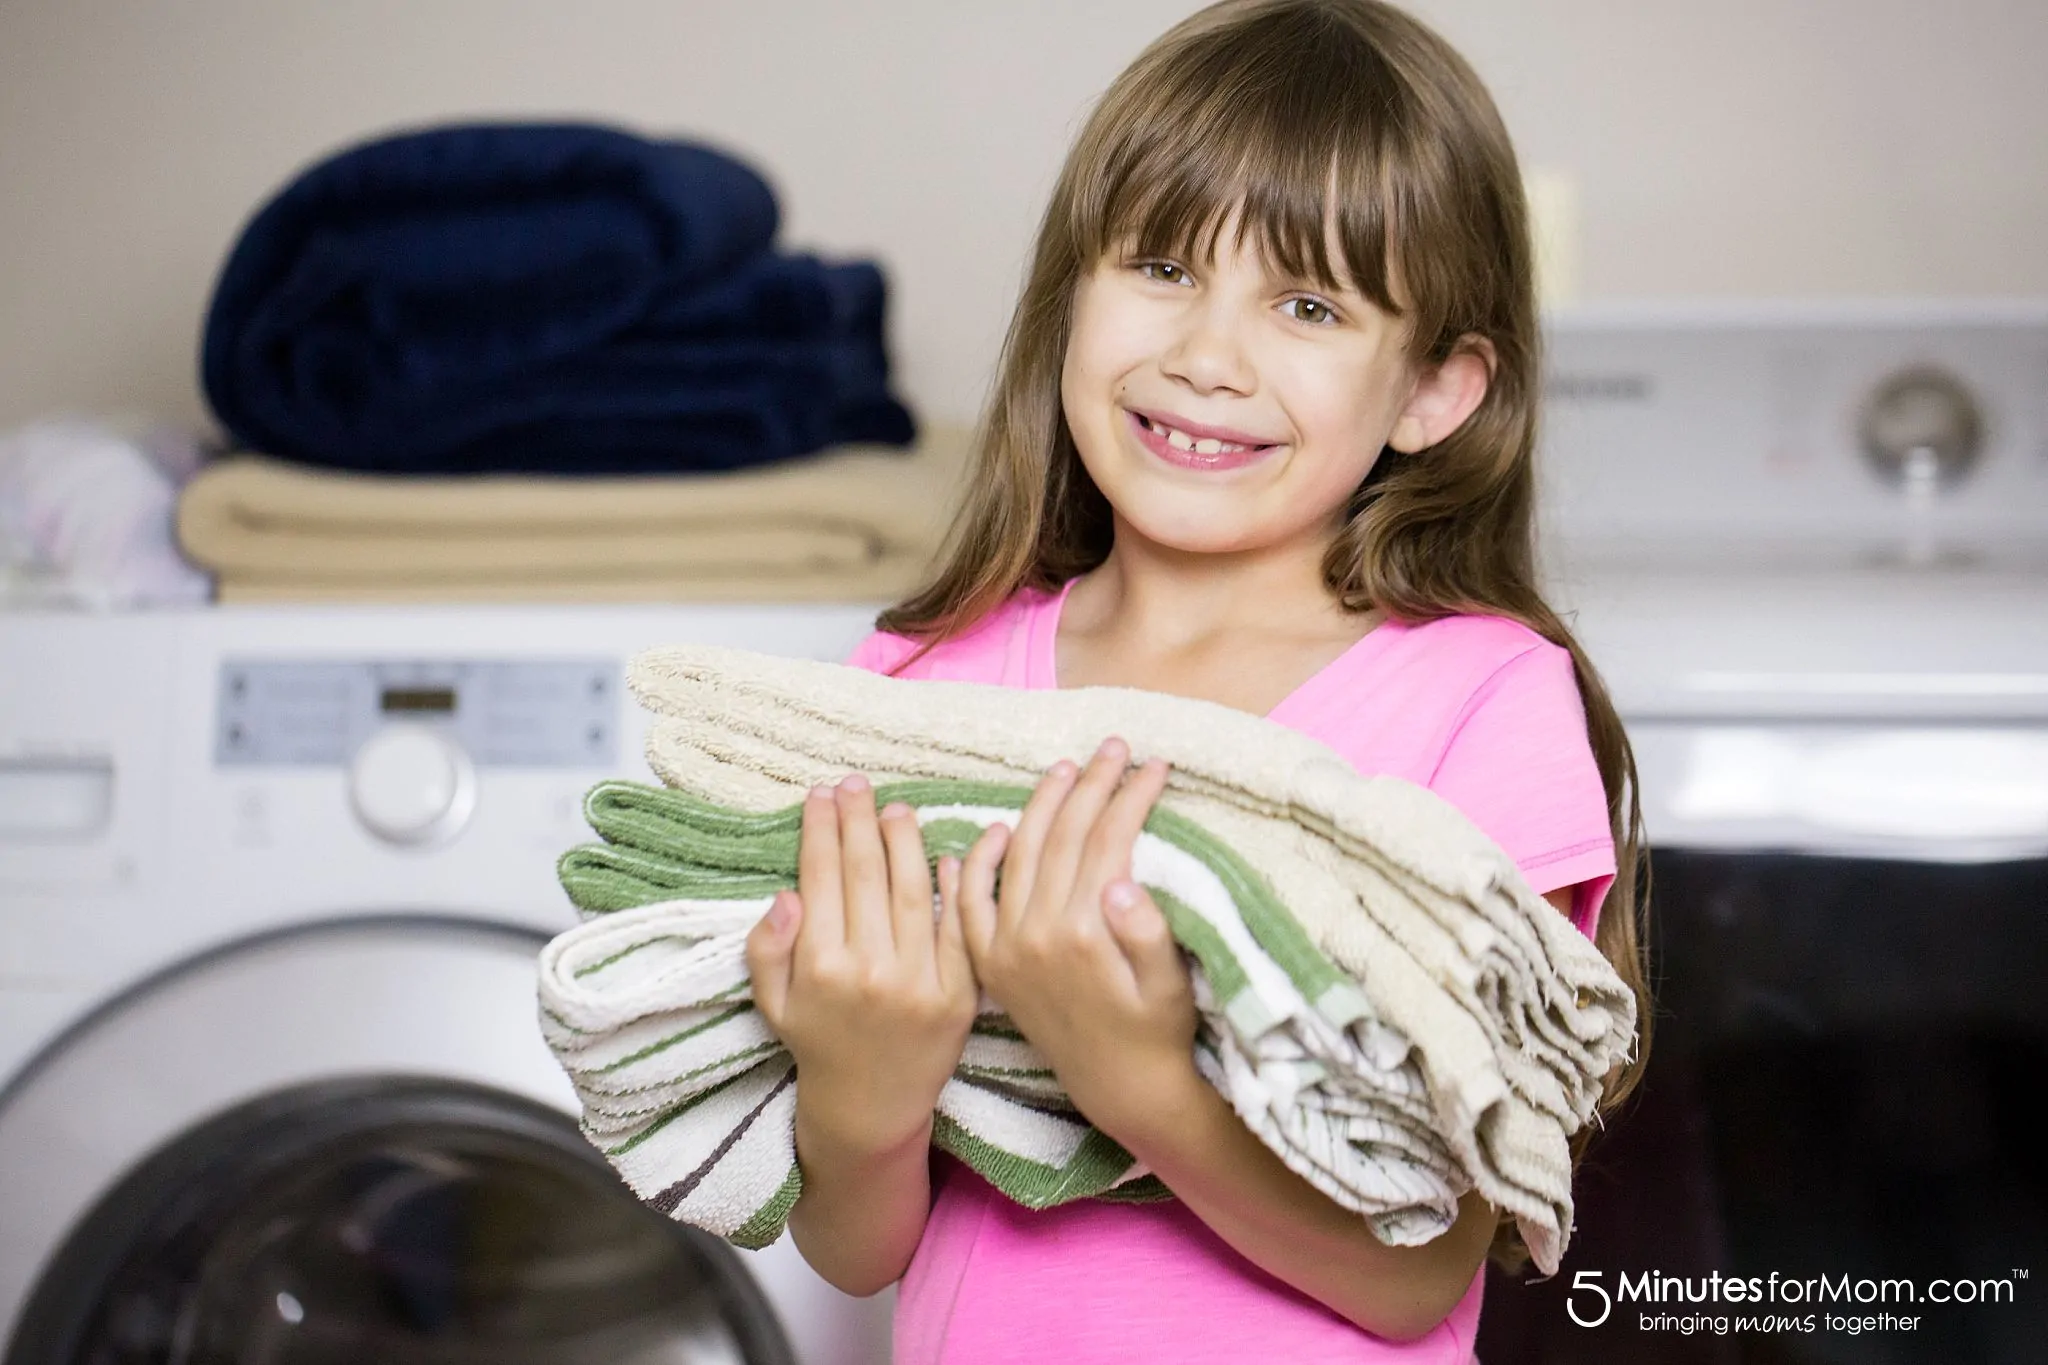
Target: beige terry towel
x=1512 y=1016
x=855 y=523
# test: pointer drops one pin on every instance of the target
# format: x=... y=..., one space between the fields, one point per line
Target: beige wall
x=1746 y=147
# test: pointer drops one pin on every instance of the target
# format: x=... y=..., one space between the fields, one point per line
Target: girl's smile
x=1221 y=407
x=1192 y=445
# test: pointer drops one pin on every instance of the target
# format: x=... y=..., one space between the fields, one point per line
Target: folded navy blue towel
x=539 y=298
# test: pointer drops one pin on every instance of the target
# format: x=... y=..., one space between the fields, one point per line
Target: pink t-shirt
x=1481 y=710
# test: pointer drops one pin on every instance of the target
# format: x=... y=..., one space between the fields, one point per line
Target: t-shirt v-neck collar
x=1041 y=661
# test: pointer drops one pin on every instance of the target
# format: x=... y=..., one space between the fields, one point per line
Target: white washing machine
x=272 y=883
x=1808 y=547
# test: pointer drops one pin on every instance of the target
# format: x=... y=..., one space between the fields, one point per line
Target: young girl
x=1261 y=435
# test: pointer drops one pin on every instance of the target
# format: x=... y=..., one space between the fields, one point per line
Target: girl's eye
x=1166 y=272
x=1311 y=311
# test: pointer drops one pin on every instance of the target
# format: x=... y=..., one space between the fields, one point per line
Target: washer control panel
x=300 y=713
x=1807 y=440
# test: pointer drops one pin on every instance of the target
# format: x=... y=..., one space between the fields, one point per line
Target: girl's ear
x=1444 y=396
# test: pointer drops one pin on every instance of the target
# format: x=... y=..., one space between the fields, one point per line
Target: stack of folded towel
x=1384 y=1001
x=500 y=360
x=851 y=523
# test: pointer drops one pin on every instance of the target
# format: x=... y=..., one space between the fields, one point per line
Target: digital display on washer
x=438 y=701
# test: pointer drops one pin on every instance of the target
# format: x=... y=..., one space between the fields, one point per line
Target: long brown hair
x=1300 y=116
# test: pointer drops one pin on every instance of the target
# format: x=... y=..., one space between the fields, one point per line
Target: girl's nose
x=1208 y=355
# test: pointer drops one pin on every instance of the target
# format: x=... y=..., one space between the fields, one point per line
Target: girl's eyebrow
x=1303 y=276
x=1340 y=290
x=1274 y=275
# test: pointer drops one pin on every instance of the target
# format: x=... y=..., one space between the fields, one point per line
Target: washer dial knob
x=412 y=785
x=1922 y=425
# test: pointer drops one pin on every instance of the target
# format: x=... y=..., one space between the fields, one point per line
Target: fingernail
x=818 y=793
x=854 y=782
x=1122 y=895
x=1064 y=768
x=895 y=810
x=1114 y=748
x=781 y=909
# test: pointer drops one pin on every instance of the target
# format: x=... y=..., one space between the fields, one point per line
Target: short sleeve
x=1520 y=765
x=879 y=652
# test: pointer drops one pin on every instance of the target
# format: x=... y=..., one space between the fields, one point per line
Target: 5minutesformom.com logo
x=1590 y=1303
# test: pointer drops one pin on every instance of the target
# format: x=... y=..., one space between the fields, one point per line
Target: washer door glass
x=393 y=1220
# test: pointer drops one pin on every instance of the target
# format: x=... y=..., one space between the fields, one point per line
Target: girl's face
x=1222 y=408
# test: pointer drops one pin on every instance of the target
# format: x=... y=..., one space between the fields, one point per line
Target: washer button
x=411 y=784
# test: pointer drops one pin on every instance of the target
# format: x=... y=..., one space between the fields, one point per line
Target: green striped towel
x=647 y=1051
x=1384 y=1000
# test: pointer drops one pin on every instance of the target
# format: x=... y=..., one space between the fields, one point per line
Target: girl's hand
x=1075 y=951
x=871 y=995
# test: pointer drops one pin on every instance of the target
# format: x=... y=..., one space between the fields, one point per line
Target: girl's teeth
x=1180 y=440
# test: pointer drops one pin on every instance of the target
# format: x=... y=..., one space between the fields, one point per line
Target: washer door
x=339 y=1144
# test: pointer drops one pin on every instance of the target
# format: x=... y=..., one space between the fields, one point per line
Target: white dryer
x=272 y=883
x=1808 y=548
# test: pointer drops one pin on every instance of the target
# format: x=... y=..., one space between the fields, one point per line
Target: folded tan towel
x=1513 y=1017
x=856 y=523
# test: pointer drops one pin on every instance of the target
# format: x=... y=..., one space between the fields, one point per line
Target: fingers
x=1037 y=867
x=953 y=961
x=1024 y=842
x=910 y=886
x=864 y=867
x=771 y=945
x=1106 y=855
x=973 y=889
x=818 y=876
x=1074 y=837
x=1141 y=931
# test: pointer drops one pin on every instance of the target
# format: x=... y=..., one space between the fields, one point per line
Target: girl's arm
x=1285 y=1226
x=863 y=1210
x=1288 y=1228
x=874 y=1001
x=1083 y=962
